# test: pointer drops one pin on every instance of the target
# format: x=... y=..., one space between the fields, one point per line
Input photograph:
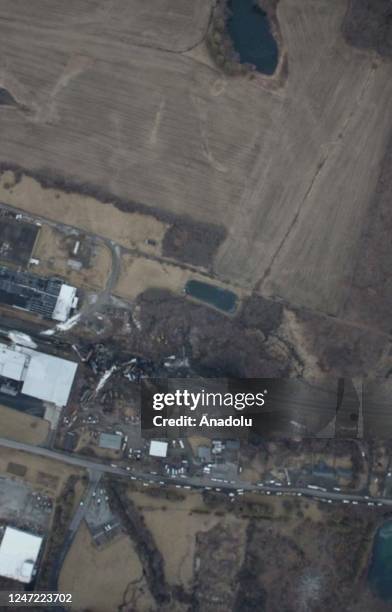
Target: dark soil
x=261 y=313
x=317 y=567
x=192 y=242
x=217 y=343
x=368 y=25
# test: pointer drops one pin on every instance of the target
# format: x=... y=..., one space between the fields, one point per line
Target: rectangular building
x=48 y=297
x=12 y=363
x=19 y=552
x=42 y=376
x=158 y=449
x=110 y=441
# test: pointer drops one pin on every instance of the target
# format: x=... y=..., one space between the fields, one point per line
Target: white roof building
x=65 y=302
x=49 y=378
x=12 y=364
x=19 y=551
x=158 y=449
x=45 y=377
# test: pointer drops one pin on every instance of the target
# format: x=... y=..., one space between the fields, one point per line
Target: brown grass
x=53 y=256
x=22 y=427
x=98 y=579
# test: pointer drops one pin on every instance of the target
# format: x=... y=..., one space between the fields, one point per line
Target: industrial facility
x=48 y=297
x=19 y=552
x=38 y=375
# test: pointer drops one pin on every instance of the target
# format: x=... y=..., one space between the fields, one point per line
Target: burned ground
x=261 y=313
x=217 y=343
x=192 y=242
x=305 y=565
x=286 y=342
x=368 y=25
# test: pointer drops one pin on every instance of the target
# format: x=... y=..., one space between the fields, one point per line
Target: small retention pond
x=380 y=570
x=211 y=294
x=249 y=29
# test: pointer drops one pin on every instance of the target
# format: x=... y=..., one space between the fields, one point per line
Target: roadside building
x=204 y=454
x=158 y=449
x=110 y=441
x=19 y=551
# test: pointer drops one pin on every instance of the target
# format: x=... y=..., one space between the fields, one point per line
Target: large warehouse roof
x=45 y=377
x=19 y=551
x=11 y=363
x=49 y=378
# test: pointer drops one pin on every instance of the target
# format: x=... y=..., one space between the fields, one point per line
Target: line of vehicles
x=181 y=473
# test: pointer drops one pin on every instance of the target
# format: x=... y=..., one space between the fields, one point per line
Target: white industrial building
x=66 y=302
x=44 y=377
x=158 y=449
x=19 y=551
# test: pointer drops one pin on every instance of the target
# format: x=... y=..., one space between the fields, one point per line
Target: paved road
x=192 y=482
x=72 y=529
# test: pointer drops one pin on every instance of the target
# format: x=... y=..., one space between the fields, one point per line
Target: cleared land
x=22 y=427
x=99 y=579
x=53 y=251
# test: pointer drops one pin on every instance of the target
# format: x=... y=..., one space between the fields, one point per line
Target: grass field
x=182 y=520
x=100 y=579
x=131 y=230
x=45 y=474
x=139 y=274
x=22 y=427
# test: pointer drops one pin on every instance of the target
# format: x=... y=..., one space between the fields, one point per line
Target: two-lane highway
x=98 y=469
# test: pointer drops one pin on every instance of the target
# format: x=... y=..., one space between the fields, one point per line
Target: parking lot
x=101 y=521
x=23 y=507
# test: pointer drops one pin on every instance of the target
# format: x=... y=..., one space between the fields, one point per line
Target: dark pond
x=380 y=572
x=6 y=99
x=220 y=298
x=250 y=31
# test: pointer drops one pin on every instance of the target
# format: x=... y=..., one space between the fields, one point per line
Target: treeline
x=220 y=44
x=50 y=569
x=146 y=548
